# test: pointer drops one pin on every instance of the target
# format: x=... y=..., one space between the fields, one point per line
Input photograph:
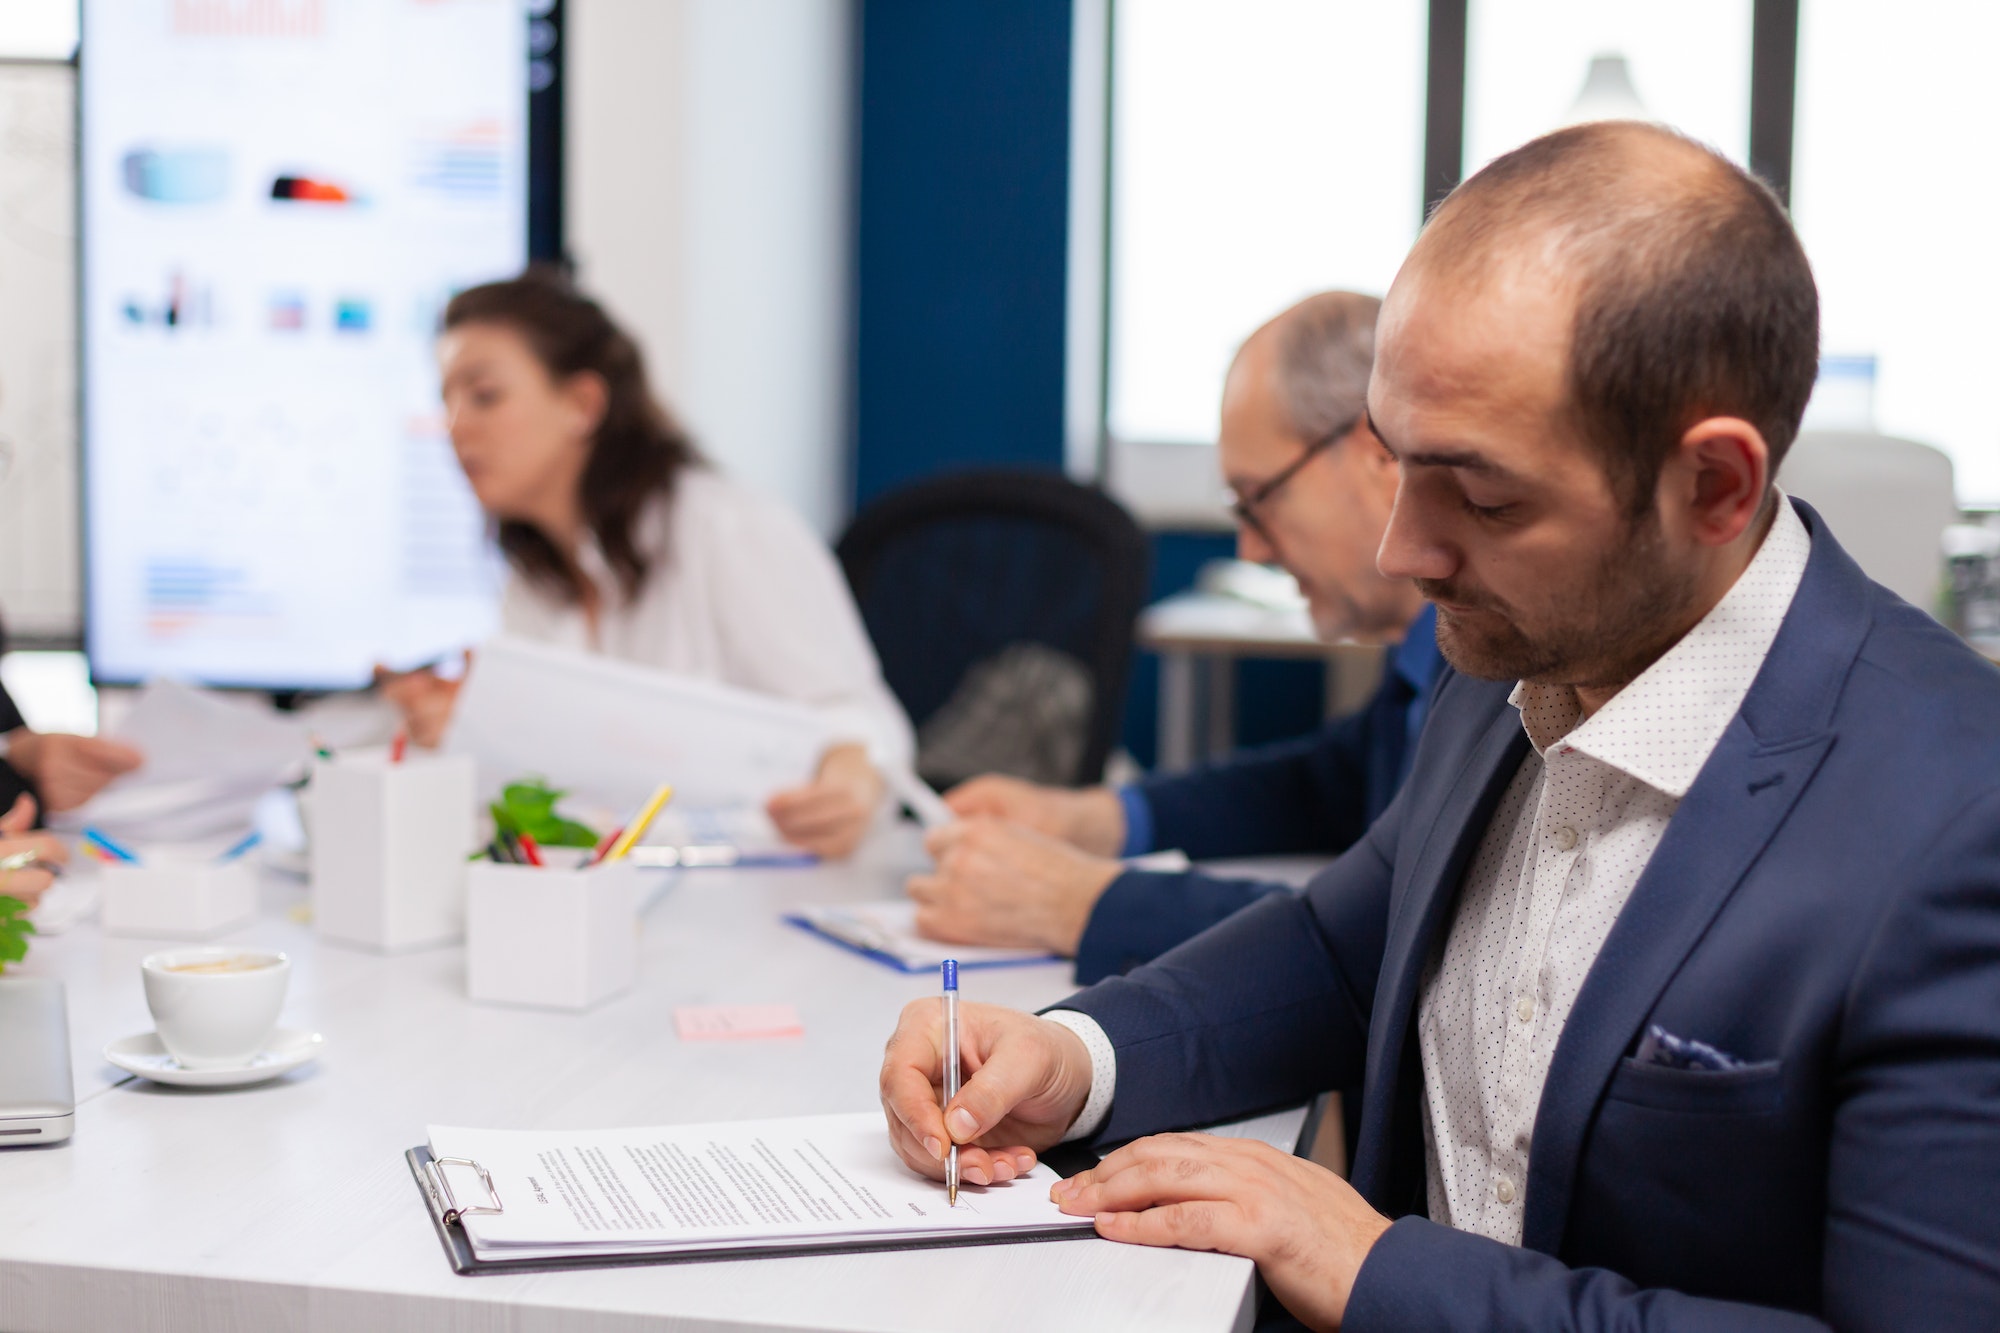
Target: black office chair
x=967 y=581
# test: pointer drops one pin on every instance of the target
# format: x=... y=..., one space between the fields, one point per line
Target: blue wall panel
x=963 y=148
x=960 y=303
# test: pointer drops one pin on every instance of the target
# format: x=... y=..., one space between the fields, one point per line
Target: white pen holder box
x=389 y=843
x=174 y=893
x=560 y=939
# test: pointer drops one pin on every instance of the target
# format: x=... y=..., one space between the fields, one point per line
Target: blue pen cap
x=951 y=974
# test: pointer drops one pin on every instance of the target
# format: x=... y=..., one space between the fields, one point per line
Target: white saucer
x=142 y=1054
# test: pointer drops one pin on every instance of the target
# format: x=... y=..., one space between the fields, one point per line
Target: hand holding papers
x=755 y=1186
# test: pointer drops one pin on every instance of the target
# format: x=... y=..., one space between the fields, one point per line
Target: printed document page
x=610 y=731
x=812 y=1180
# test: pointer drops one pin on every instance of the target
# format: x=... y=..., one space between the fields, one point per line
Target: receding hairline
x=1617 y=180
x=1688 y=291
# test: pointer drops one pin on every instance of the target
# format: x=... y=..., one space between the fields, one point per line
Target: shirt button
x=1565 y=837
x=1503 y=1188
x=1524 y=1009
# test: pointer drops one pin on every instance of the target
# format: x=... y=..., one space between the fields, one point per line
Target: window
x=1894 y=194
x=1526 y=60
x=1261 y=151
x=38 y=29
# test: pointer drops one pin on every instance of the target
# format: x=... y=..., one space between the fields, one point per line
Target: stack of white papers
x=609 y=732
x=209 y=758
x=755 y=1184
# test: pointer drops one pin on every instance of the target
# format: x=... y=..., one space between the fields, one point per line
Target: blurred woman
x=622 y=540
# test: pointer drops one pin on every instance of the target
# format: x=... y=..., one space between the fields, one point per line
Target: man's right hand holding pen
x=1026 y=1081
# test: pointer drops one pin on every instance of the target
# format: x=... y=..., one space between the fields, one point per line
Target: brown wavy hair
x=639 y=450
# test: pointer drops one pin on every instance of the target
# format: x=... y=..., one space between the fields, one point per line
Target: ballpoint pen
x=26 y=861
x=950 y=1075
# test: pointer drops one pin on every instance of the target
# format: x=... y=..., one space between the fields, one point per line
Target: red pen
x=529 y=850
x=604 y=848
x=397 y=746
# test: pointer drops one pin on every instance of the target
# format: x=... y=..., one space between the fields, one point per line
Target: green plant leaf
x=14 y=930
x=529 y=807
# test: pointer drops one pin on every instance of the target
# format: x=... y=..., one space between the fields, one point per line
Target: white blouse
x=740 y=591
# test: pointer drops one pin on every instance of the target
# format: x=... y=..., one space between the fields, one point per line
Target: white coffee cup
x=215 y=1007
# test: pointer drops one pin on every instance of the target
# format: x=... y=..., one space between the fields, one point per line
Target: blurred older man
x=1036 y=866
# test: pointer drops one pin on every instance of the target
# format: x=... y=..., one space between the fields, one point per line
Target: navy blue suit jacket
x=1318 y=793
x=1825 y=905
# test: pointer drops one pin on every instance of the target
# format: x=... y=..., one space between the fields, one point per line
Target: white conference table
x=288 y=1205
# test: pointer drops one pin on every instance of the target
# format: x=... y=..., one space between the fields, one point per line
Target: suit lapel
x=1437 y=850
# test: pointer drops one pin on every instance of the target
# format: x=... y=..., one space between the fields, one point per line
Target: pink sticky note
x=736 y=1022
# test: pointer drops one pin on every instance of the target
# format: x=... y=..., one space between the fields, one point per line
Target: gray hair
x=1326 y=349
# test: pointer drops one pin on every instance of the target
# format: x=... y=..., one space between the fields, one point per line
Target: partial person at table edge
x=621 y=539
x=1037 y=867
x=43 y=772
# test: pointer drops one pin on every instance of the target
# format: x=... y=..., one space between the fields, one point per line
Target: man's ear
x=1725 y=474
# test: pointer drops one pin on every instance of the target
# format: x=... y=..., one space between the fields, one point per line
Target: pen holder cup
x=557 y=939
x=169 y=896
x=389 y=843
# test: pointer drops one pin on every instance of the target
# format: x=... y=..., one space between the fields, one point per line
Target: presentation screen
x=278 y=197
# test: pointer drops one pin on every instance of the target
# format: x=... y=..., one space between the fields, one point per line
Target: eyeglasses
x=1244 y=507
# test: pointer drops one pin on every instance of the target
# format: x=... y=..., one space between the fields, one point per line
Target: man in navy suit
x=1674 y=969
x=1036 y=866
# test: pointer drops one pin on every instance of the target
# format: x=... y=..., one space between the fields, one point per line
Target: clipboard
x=447 y=1211
x=879 y=946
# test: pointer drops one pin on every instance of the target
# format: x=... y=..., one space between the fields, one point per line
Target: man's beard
x=1614 y=625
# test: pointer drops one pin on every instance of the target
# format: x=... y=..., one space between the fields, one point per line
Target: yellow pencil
x=637 y=828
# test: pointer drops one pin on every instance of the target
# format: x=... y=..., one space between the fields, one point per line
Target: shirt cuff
x=1138 y=822
x=1103 y=1072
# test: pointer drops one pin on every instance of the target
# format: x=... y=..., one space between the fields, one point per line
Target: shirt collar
x=1662 y=727
x=1416 y=659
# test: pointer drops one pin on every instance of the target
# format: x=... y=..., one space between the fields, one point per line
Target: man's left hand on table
x=1304 y=1227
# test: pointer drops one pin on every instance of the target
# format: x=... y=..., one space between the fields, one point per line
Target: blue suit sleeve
x=1914 y=1166
x=1305 y=795
x=1421 y=1276
x=1201 y=1037
x=1145 y=913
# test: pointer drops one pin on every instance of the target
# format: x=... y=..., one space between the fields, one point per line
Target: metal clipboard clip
x=450 y=1211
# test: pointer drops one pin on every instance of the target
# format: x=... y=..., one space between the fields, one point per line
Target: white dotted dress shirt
x=1576 y=828
x=1567 y=844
